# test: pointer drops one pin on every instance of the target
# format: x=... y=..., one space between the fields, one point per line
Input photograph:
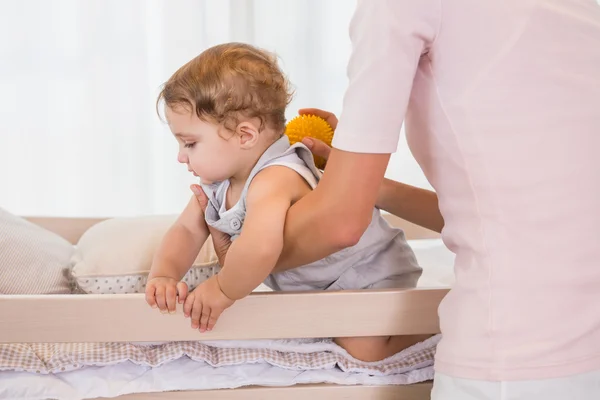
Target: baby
x=226 y=108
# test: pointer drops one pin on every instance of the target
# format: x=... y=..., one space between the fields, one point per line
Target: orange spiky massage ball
x=312 y=126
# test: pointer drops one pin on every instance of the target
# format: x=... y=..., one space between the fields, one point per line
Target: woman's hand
x=318 y=147
x=326 y=115
x=221 y=241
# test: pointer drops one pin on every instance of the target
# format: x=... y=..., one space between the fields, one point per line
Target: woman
x=502 y=107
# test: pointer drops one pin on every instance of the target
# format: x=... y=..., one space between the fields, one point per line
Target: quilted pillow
x=115 y=255
x=33 y=260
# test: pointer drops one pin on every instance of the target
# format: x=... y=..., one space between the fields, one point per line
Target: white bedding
x=186 y=374
x=182 y=374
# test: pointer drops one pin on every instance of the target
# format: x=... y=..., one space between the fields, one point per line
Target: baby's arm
x=176 y=253
x=252 y=257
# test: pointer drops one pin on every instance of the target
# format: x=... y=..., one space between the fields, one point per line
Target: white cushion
x=115 y=255
x=33 y=260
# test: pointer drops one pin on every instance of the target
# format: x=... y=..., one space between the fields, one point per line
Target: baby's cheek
x=210 y=172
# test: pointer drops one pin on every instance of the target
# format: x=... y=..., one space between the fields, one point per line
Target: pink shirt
x=502 y=106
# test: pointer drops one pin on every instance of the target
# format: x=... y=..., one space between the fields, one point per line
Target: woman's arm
x=413 y=204
x=389 y=38
x=336 y=214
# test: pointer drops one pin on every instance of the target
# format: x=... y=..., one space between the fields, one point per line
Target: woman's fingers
x=326 y=115
x=221 y=242
x=317 y=147
x=200 y=196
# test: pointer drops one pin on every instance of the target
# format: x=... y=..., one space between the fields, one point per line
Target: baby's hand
x=162 y=292
x=205 y=304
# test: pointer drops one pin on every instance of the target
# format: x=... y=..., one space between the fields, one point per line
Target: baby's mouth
x=195 y=174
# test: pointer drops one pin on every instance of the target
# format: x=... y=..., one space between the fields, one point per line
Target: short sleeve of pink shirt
x=388 y=40
x=501 y=103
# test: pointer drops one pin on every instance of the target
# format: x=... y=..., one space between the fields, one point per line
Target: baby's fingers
x=150 y=299
x=171 y=297
x=189 y=305
x=182 y=291
x=204 y=319
x=214 y=316
x=160 y=297
x=196 y=313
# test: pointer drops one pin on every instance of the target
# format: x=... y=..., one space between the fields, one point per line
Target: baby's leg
x=376 y=348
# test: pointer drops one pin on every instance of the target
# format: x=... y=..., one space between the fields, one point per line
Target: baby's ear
x=247 y=133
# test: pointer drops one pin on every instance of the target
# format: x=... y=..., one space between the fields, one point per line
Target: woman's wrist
x=413 y=204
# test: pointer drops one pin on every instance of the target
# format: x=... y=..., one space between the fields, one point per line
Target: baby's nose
x=182 y=157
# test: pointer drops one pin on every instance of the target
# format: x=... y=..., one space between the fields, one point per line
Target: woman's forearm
x=413 y=204
x=336 y=214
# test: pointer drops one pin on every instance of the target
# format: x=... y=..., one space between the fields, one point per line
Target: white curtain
x=78 y=81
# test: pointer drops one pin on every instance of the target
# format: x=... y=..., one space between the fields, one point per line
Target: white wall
x=78 y=82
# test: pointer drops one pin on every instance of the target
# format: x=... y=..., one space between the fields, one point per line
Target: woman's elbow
x=347 y=231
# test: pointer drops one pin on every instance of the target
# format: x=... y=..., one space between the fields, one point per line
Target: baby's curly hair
x=228 y=82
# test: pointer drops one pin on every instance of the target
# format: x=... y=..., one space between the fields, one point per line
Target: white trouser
x=577 y=387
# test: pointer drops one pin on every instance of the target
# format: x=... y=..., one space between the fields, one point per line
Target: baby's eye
x=189 y=145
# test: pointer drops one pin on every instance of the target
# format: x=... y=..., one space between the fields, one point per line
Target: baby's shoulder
x=278 y=180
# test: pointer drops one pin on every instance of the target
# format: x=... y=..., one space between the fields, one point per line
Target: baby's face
x=207 y=155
